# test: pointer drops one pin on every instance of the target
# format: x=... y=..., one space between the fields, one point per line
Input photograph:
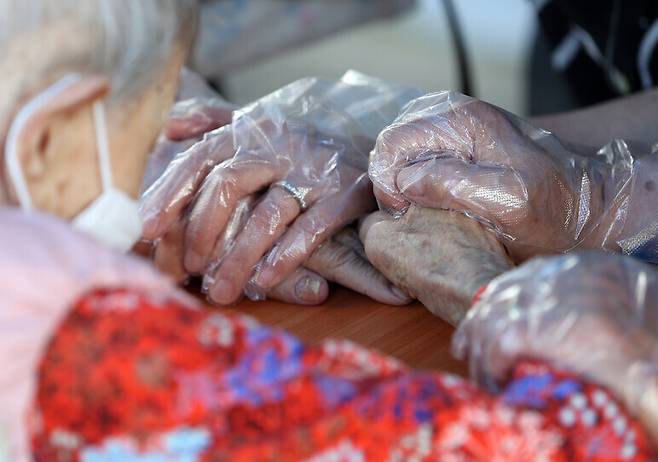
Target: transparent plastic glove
x=197 y=116
x=45 y=268
x=449 y=151
x=592 y=312
x=438 y=257
x=341 y=259
x=307 y=146
x=198 y=109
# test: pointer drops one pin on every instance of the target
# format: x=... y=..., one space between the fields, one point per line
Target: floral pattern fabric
x=135 y=378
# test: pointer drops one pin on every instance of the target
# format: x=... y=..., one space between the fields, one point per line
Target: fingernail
x=265 y=278
x=400 y=295
x=308 y=289
x=222 y=292
x=194 y=263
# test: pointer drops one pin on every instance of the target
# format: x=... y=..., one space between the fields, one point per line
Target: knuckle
x=310 y=229
x=393 y=136
x=265 y=221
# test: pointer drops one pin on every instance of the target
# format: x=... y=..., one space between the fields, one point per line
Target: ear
x=33 y=141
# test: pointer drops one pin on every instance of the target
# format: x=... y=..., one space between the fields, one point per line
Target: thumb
x=493 y=193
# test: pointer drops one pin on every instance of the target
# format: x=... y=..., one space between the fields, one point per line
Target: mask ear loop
x=12 y=161
x=103 y=146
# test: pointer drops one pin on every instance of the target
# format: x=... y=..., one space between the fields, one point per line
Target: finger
x=143 y=249
x=266 y=225
x=168 y=253
x=495 y=194
x=163 y=203
x=398 y=146
x=338 y=263
x=191 y=119
x=366 y=223
x=214 y=205
x=311 y=229
x=395 y=204
x=432 y=125
x=235 y=225
x=303 y=287
x=349 y=237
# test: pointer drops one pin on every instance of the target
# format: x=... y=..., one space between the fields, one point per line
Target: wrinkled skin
x=303 y=150
x=439 y=258
x=278 y=236
x=451 y=152
x=340 y=258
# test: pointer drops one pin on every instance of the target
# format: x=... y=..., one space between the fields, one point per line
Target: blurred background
x=251 y=47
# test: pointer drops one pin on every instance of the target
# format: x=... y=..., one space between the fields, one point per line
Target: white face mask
x=113 y=218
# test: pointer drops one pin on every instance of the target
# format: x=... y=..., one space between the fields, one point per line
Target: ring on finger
x=299 y=194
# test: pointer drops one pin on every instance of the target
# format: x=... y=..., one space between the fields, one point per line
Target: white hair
x=127 y=40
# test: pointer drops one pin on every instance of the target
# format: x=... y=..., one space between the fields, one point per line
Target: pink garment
x=45 y=268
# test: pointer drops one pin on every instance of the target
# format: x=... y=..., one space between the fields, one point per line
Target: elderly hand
x=307 y=146
x=45 y=268
x=449 y=151
x=439 y=258
x=594 y=313
x=340 y=259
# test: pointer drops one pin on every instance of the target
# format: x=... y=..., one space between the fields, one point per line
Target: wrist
x=628 y=222
x=638 y=232
x=612 y=174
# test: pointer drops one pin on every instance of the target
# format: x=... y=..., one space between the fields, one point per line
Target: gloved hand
x=198 y=110
x=438 y=257
x=341 y=259
x=45 y=268
x=449 y=151
x=307 y=145
x=594 y=313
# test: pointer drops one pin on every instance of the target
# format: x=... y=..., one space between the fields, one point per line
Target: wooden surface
x=408 y=333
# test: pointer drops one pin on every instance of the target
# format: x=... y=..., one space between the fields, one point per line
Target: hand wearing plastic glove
x=198 y=110
x=306 y=146
x=341 y=259
x=438 y=257
x=45 y=268
x=594 y=313
x=450 y=151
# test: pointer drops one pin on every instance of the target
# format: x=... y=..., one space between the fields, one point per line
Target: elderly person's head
x=71 y=70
